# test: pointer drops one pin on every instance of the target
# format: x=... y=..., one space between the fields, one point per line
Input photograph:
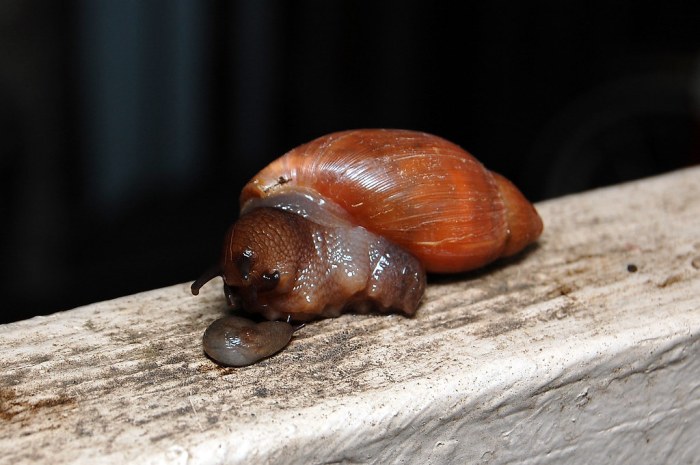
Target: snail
x=235 y=341
x=354 y=220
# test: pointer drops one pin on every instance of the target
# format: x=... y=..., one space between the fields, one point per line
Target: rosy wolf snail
x=354 y=220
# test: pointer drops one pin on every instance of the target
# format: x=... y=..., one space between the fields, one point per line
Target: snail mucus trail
x=353 y=221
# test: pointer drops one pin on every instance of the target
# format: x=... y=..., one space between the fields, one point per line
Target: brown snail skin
x=354 y=220
x=235 y=341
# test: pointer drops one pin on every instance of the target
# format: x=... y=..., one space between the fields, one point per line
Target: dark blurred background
x=129 y=127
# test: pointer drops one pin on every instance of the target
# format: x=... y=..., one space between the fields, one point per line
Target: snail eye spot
x=245 y=263
x=270 y=280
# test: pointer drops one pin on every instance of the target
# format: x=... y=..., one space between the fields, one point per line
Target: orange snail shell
x=420 y=191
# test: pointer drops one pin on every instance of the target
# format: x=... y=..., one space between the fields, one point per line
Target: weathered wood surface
x=563 y=355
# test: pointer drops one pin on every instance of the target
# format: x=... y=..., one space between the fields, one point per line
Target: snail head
x=261 y=255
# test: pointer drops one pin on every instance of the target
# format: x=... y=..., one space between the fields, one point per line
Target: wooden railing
x=585 y=349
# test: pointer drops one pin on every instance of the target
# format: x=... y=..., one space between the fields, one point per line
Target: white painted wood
x=559 y=356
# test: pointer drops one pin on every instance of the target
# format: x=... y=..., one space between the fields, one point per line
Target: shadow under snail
x=353 y=221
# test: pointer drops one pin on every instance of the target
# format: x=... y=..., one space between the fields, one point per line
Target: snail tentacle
x=207 y=276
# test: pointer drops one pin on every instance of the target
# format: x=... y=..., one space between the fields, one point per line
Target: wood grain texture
x=562 y=353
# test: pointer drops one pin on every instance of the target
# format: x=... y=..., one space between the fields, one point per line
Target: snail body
x=235 y=341
x=355 y=219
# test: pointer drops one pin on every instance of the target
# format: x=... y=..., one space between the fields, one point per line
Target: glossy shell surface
x=422 y=192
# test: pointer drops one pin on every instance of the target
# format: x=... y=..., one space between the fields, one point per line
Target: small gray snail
x=353 y=221
x=235 y=341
